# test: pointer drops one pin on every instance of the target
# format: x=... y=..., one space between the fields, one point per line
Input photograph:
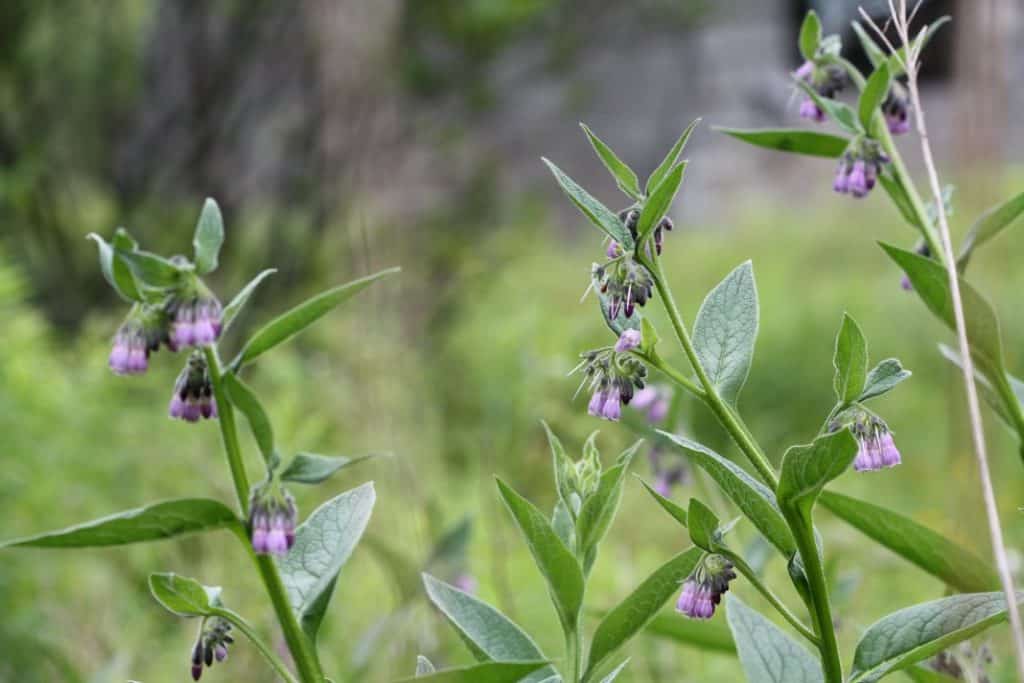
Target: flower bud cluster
x=272 y=519
x=142 y=332
x=613 y=378
x=212 y=644
x=704 y=588
x=625 y=282
x=859 y=168
x=826 y=80
x=193 y=392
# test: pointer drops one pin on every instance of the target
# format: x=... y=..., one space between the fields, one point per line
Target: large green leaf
x=893 y=186
x=725 y=331
x=236 y=305
x=559 y=567
x=600 y=215
x=624 y=176
x=806 y=469
x=754 y=499
x=311 y=468
x=795 y=140
x=489 y=672
x=767 y=654
x=116 y=272
x=916 y=633
x=709 y=636
x=208 y=238
x=292 y=322
x=151 y=523
x=988 y=225
x=614 y=672
x=874 y=93
x=323 y=543
x=631 y=615
x=246 y=401
x=659 y=201
x=929 y=550
x=850 y=361
x=183 y=596
x=669 y=162
x=488 y=633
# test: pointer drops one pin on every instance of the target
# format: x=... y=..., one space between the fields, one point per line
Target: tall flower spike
x=704 y=588
x=193 y=392
x=876 y=447
x=272 y=519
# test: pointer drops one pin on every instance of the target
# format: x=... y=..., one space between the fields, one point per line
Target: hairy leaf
x=988 y=225
x=311 y=468
x=725 y=331
x=709 y=636
x=624 y=176
x=767 y=654
x=671 y=158
x=116 y=272
x=659 y=201
x=882 y=378
x=246 y=401
x=488 y=672
x=806 y=469
x=600 y=215
x=874 y=93
x=810 y=35
x=209 y=237
x=183 y=596
x=850 y=361
x=676 y=511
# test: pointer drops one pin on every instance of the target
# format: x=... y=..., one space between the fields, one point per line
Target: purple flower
x=195 y=321
x=655 y=401
x=612 y=408
x=810 y=110
x=141 y=333
x=613 y=378
x=596 y=405
x=272 y=519
x=857 y=181
x=703 y=589
x=876 y=447
x=613 y=250
x=858 y=169
x=826 y=81
x=628 y=340
x=193 y=393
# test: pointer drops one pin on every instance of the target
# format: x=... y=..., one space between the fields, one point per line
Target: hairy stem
x=302 y=651
x=748 y=572
x=268 y=654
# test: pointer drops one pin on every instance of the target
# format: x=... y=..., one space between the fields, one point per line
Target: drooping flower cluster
x=625 y=283
x=858 y=168
x=193 y=392
x=826 y=80
x=614 y=378
x=896 y=109
x=211 y=645
x=704 y=588
x=141 y=334
x=272 y=519
x=876 y=448
x=630 y=217
x=195 y=318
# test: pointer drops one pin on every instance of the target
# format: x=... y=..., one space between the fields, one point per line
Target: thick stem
x=255 y=639
x=301 y=648
x=748 y=572
x=574 y=653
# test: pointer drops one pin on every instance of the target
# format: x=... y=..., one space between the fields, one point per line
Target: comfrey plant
x=172 y=308
x=779 y=503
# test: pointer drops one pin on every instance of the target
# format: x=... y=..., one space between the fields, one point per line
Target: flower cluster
x=195 y=318
x=212 y=644
x=625 y=283
x=896 y=109
x=614 y=379
x=827 y=81
x=704 y=588
x=141 y=333
x=876 y=448
x=272 y=519
x=193 y=392
x=858 y=168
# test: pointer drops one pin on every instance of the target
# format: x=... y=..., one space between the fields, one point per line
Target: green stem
x=574 y=653
x=748 y=572
x=301 y=648
x=656 y=362
x=243 y=626
x=710 y=396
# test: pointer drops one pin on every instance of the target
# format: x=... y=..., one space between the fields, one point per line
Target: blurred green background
x=341 y=138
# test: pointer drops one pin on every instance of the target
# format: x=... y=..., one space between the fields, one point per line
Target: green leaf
x=931 y=283
x=150 y=269
x=489 y=672
x=659 y=201
x=559 y=567
x=703 y=524
x=599 y=508
x=927 y=549
x=624 y=176
x=323 y=543
x=850 y=361
x=600 y=215
x=882 y=378
x=920 y=674
x=151 y=523
x=767 y=654
x=671 y=158
x=874 y=93
x=797 y=141
x=986 y=390
x=232 y=310
x=875 y=54
x=292 y=322
x=988 y=225
x=488 y=633
x=563 y=467
x=243 y=398
x=310 y=468
x=564 y=526
x=676 y=511
x=115 y=271
x=806 y=469
x=893 y=186
x=183 y=596
x=725 y=331
x=209 y=237
x=844 y=116
x=916 y=633
x=423 y=666
x=710 y=636
x=648 y=336
x=754 y=499
x=615 y=672
x=810 y=35
x=897 y=59
x=631 y=615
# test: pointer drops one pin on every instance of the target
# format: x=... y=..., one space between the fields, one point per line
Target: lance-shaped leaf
x=669 y=162
x=850 y=361
x=882 y=378
x=795 y=140
x=245 y=400
x=677 y=512
x=563 y=467
x=806 y=469
x=810 y=35
x=151 y=523
x=659 y=201
x=599 y=509
x=725 y=331
x=600 y=215
x=988 y=225
x=624 y=176
x=311 y=468
x=703 y=525
x=488 y=672
x=874 y=93
x=893 y=186
x=323 y=543
x=929 y=550
x=631 y=615
x=150 y=269
x=208 y=238
x=931 y=283
x=184 y=596
x=709 y=636
x=292 y=322
x=753 y=498
x=489 y=634
x=116 y=272
x=559 y=567
x=913 y=634
x=236 y=305
x=875 y=54
x=988 y=392
x=767 y=654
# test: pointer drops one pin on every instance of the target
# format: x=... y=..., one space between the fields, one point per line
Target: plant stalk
x=243 y=626
x=748 y=572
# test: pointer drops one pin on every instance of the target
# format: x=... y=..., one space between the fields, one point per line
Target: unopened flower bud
x=193 y=392
x=703 y=589
x=272 y=520
x=141 y=333
x=195 y=317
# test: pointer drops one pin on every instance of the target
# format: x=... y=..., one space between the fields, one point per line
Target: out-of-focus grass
x=456 y=408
